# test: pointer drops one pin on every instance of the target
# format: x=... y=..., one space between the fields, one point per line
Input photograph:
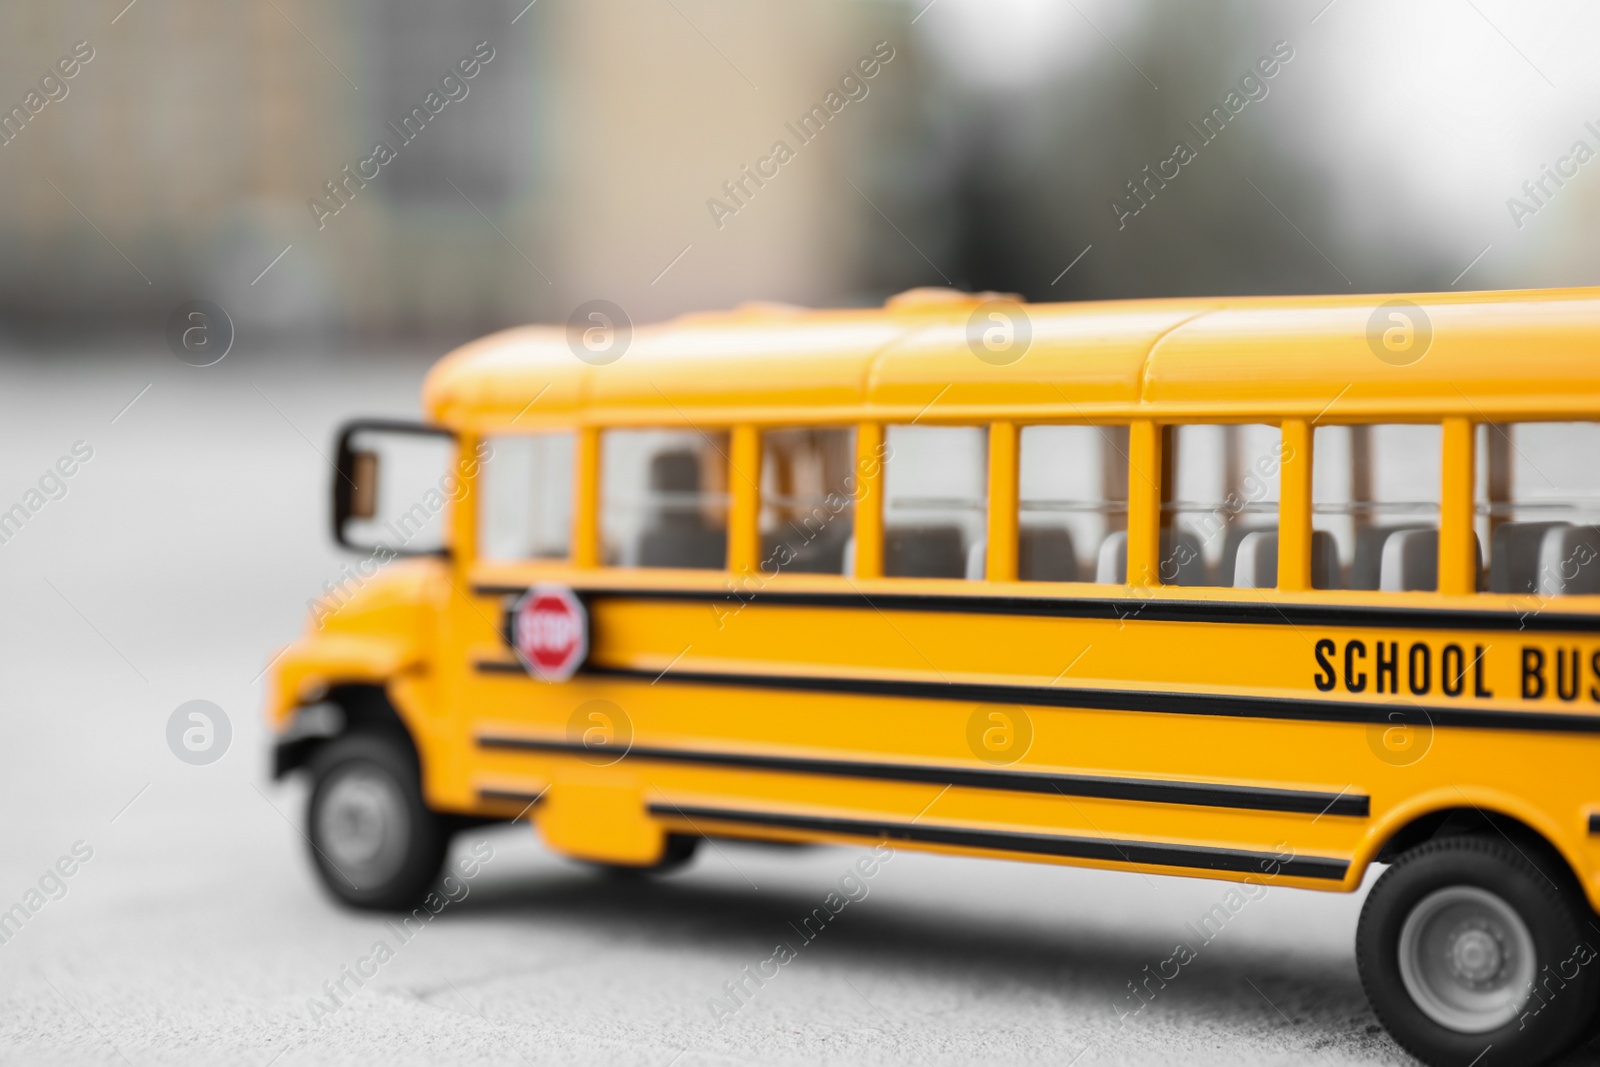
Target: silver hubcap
x=1467 y=959
x=363 y=825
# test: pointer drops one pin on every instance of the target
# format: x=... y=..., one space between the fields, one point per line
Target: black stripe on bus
x=1051 y=696
x=499 y=666
x=1264 y=613
x=1152 y=790
x=1194 y=857
x=1594 y=824
x=510 y=796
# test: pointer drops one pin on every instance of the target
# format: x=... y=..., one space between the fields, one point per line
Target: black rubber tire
x=1547 y=902
x=425 y=834
x=679 y=852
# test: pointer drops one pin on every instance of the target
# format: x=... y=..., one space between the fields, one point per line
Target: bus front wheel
x=1465 y=944
x=374 y=842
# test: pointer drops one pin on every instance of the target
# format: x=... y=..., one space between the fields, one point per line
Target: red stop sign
x=550 y=631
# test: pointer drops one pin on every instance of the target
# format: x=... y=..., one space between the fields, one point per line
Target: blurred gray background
x=987 y=154
x=1397 y=149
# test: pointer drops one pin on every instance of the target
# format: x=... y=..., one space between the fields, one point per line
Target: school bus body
x=1218 y=732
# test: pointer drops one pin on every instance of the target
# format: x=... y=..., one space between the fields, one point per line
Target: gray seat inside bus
x=1255 y=563
x=822 y=552
x=1231 y=541
x=1183 y=566
x=1410 y=561
x=1367 y=565
x=923 y=552
x=1256 y=566
x=1569 y=561
x=1046 y=554
x=977 y=560
x=679 y=535
x=1514 y=552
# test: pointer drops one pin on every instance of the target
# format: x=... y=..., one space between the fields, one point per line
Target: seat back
x=1569 y=561
x=1324 y=560
x=923 y=552
x=683 y=541
x=822 y=554
x=678 y=534
x=1232 y=541
x=1111 y=567
x=1046 y=554
x=1367 y=564
x=1180 y=550
x=977 y=559
x=1514 y=556
x=1255 y=564
x=1410 y=561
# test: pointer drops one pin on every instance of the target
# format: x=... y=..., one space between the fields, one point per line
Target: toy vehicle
x=1259 y=590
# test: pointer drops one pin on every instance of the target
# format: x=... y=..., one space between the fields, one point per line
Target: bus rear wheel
x=1465 y=944
x=374 y=842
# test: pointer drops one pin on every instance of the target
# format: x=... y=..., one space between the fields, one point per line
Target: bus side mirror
x=393 y=483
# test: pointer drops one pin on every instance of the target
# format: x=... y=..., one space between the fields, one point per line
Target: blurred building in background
x=994 y=145
x=185 y=154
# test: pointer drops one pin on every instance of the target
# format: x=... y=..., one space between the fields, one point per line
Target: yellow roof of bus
x=1493 y=355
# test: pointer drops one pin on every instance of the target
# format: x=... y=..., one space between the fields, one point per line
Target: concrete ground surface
x=183 y=555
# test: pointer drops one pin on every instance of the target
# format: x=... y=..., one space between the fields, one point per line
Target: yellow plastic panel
x=1080 y=359
x=1313 y=357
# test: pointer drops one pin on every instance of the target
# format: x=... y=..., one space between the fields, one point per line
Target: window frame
x=588 y=544
x=1457 y=573
x=1504 y=424
x=1168 y=513
x=1147 y=451
x=479 y=496
x=989 y=523
x=1005 y=495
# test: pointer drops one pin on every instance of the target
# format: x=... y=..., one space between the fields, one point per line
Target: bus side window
x=1538 y=507
x=664 y=498
x=1219 y=521
x=526 y=497
x=1375 y=506
x=1072 y=503
x=807 y=500
x=936 y=501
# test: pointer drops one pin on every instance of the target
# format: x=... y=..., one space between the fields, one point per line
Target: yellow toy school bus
x=1249 y=589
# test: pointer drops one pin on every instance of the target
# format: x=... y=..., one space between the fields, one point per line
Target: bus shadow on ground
x=1316 y=1000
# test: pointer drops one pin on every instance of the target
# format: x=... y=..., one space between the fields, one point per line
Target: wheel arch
x=1529 y=832
x=362 y=707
